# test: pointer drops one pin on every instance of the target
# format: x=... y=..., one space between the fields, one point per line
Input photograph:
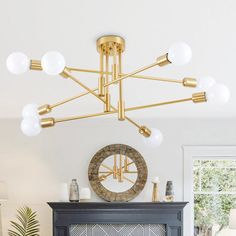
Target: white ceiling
x=149 y=27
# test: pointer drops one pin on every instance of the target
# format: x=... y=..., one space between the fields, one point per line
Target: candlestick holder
x=155 y=192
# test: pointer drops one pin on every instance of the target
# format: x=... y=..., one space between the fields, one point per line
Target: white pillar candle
x=85 y=194
x=63 y=192
x=156 y=180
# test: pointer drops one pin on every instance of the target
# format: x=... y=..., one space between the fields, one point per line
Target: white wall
x=32 y=167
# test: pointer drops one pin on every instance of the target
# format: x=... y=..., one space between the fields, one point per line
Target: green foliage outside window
x=214 y=194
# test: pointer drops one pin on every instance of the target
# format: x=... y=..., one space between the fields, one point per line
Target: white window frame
x=191 y=153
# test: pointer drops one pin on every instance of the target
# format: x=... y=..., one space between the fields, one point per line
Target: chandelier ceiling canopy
x=110 y=73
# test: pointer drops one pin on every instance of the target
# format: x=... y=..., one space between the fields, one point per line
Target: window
x=214 y=195
x=210 y=189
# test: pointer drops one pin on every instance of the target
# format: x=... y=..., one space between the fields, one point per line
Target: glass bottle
x=169 y=192
x=74 y=191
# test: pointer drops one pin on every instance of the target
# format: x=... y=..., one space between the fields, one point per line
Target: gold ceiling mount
x=106 y=44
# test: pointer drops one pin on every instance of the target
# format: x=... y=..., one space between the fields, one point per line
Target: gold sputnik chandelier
x=110 y=49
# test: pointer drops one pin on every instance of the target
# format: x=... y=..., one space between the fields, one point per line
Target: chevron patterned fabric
x=118 y=230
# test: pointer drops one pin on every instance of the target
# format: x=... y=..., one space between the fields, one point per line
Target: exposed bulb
x=155 y=139
x=31 y=126
x=18 y=63
x=30 y=110
x=179 y=53
x=53 y=63
x=206 y=82
x=218 y=94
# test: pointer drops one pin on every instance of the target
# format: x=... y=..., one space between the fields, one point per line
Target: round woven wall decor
x=134 y=156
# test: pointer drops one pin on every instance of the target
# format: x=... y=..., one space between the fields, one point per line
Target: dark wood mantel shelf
x=66 y=214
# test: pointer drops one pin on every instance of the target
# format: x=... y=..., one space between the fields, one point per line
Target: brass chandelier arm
x=121 y=103
x=71 y=99
x=133 y=122
x=37 y=66
x=44 y=109
x=157 y=79
x=85 y=87
x=87 y=70
x=158 y=104
x=100 y=98
x=122 y=75
x=132 y=73
x=196 y=98
x=58 y=120
x=107 y=99
x=133 y=76
x=101 y=80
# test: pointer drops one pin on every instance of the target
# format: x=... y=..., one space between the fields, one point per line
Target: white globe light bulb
x=53 y=63
x=155 y=139
x=206 y=82
x=179 y=53
x=31 y=126
x=18 y=63
x=30 y=110
x=218 y=94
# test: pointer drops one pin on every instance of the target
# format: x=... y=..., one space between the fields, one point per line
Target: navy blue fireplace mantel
x=168 y=214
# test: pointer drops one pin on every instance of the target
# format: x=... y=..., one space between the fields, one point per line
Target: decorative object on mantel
x=169 y=197
x=117 y=172
x=74 y=191
x=63 y=192
x=110 y=48
x=3 y=198
x=28 y=224
x=85 y=194
x=232 y=219
x=155 y=191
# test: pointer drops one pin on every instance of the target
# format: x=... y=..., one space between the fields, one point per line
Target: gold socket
x=65 y=73
x=163 y=60
x=35 y=65
x=42 y=110
x=199 y=97
x=146 y=132
x=101 y=89
x=190 y=82
x=107 y=102
x=121 y=110
x=115 y=70
x=47 y=122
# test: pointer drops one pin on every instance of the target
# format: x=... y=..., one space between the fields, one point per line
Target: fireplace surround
x=116 y=219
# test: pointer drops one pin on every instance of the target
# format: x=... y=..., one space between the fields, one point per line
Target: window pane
x=216 y=196
x=196 y=180
x=196 y=163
